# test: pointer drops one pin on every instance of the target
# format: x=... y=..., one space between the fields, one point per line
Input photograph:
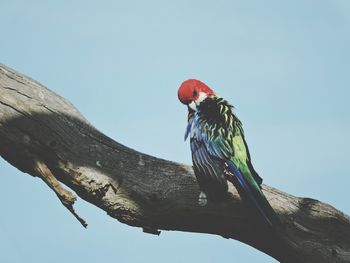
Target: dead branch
x=42 y=134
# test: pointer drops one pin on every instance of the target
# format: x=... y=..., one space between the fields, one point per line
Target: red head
x=192 y=92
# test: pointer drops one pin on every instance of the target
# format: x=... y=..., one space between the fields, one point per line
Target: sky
x=284 y=65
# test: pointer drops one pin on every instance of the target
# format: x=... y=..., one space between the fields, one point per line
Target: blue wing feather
x=188 y=129
x=208 y=170
x=207 y=160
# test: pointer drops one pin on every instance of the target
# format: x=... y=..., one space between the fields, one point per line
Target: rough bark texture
x=42 y=134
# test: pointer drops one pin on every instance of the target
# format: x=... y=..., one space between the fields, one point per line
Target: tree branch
x=42 y=134
x=66 y=197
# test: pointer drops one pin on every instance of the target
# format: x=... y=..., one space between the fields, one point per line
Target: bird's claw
x=202 y=199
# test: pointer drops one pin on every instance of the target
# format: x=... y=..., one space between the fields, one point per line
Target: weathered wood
x=42 y=134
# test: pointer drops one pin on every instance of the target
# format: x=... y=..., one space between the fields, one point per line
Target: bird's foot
x=202 y=199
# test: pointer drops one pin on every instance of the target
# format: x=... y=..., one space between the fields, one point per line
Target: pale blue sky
x=285 y=66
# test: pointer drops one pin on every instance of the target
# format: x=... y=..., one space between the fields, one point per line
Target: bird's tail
x=250 y=189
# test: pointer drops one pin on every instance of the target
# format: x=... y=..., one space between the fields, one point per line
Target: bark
x=42 y=134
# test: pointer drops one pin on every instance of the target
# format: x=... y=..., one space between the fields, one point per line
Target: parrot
x=219 y=150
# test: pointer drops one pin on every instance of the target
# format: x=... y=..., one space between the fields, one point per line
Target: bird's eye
x=195 y=93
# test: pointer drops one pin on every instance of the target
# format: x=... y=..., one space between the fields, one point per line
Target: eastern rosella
x=219 y=150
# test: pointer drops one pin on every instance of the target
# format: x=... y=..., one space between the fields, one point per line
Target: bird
x=219 y=150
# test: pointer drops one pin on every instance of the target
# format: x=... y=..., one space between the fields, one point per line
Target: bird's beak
x=193 y=105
